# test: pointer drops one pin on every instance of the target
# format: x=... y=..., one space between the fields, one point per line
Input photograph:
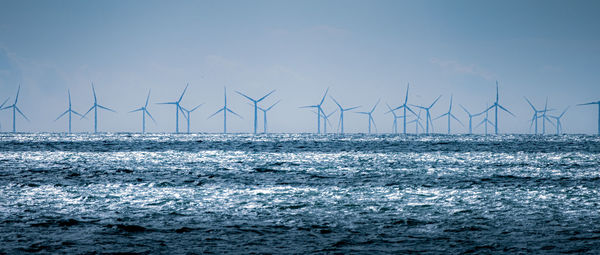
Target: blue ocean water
x=299 y=193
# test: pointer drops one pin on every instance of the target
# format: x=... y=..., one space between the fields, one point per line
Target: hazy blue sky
x=362 y=50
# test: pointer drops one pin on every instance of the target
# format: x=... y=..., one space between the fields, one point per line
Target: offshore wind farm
x=300 y=127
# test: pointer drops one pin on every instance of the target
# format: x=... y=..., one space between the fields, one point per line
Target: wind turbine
x=178 y=108
x=326 y=118
x=16 y=109
x=69 y=111
x=189 y=115
x=496 y=105
x=598 y=103
x=225 y=109
x=536 y=113
x=95 y=107
x=370 y=114
x=255 y=101
x=265 y=115
x=545 y=117
x=396 y=117
x=558 y=123
x=428 y=114
x=342 y=110
x=470 y=118
x=405 y=107
x=417 y=122
x=144 y=110
x=485 y=120
x=319 y=111
x=450 y=115
x=2 y=105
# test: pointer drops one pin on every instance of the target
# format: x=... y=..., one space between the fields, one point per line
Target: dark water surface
x=299 y=193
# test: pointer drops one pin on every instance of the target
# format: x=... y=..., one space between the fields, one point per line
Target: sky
x=363 y=51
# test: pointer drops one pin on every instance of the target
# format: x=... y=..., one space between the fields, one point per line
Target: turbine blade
x=63 y=114
x=375 y=105
x=435 y=101
x=265 y=96
x=272 y=105
x=389 y=108
x=3 y=103
x=506 y=110
x=249 y=98
x=138 y=109
x=590 y=103
x=406 y=97
x=184 y=90
x=17 y=97
x=455 y=118
x=168 y=103
x=91 y=108
x=563 y=113
x=413 y=112
x=351 y=108
x=216 y=113
x=323 y=99
x=106 y=108
x=147 y=98
x=232 y=112
x=465 y=109
x=373 y=121
x=150 y=115
x=20 y=112
x=198 y=106
x=76 y=113
x=441 y=116
x=530 y=104
x=94 y=91
x=480 y=123
x=336 y=102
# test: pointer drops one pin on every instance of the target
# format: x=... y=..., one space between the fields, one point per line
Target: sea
x=125 y=193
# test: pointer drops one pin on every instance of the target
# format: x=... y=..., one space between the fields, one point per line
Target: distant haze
x=362 y=50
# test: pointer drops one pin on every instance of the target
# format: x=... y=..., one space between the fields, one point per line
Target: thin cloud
x=456 y=67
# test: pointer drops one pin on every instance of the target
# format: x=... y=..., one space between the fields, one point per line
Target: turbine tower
x=396 y=117
x=69 y=111
x=95 y=107
x=598 y=103
x=189 y=115
x=496 y=105
x=558 y=123
x=428 y=114
x=450 y=115
x=265 y=115
x=16 y=109
x=342 y=110
x=470 y=118
x=536 y=112
x=1 y=108
x=178 y=108
x=225 y=109
x=417 y=122
x=485 y=120
x=255 y=101
x=405 y=107
x=144 y=110
x=326 y=117
x=319 y=111
x=370 y=114
x=545 y=117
